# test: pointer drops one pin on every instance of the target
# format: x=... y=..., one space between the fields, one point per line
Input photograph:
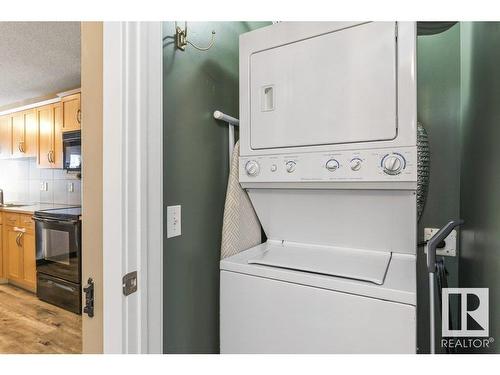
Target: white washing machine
x=329 y=160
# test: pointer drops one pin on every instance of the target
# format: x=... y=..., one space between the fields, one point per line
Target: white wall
x=21 y=181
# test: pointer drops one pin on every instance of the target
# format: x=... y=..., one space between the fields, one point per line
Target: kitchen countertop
x=31 y=208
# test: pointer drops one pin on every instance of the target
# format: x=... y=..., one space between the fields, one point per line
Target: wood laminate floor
x=28 y=325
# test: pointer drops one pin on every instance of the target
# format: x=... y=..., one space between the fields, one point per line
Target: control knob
x=252 y=168
x=290 y=166
x=393 y=164
x=332 y=165
x=356 y=164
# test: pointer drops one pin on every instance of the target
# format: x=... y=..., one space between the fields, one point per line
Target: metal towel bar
x=232 y=122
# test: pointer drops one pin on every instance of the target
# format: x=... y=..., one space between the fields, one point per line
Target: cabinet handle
x=52 y=154
x=50 y=157
x=18 y=239
x=79 y=116
x=20 y=235
x=20 y=147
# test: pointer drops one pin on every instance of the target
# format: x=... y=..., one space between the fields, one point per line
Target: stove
x=58 y=257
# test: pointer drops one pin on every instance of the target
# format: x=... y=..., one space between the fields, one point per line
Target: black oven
x=58 y=257
x=72 y=151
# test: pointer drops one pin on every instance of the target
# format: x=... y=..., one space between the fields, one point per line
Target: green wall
x=480 y=183
x=438 y=74
x=195 y=176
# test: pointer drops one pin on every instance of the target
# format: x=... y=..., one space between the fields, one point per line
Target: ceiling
x=38 y=59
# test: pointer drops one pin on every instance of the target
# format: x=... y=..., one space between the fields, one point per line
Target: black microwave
x=72 y=151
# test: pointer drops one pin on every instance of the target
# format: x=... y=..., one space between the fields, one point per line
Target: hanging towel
x=241 y=228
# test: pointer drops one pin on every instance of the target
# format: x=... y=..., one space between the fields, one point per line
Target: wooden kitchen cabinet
x=14 y=252
x=49 y=122
x=24 y=134
x=72 y=115
x=5 y=136
x=18 y=134
x=44 y=118
x=20 y=253
x=38 y=132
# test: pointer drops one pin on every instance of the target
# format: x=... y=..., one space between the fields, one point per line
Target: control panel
x=377 y=165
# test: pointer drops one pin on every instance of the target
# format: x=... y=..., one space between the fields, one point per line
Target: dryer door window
x=338 y=87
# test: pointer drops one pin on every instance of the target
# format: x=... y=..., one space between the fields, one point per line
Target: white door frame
x=132 y=186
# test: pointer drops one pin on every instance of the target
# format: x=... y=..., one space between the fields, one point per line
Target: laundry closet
x=333 y=173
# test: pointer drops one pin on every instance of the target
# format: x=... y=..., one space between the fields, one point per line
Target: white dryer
x=329 y=160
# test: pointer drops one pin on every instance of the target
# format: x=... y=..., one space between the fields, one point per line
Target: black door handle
x=89 y=298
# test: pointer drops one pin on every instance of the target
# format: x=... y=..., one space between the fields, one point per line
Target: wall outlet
x=173 y=221
x=450 y=248
x=44 y=186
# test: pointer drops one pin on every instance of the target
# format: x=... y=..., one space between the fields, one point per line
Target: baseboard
x=22 y=285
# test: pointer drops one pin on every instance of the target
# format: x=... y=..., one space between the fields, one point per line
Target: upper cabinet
x=49 y=124
x=38 y=132
x=72 y=115
x=5 y=136
x=24 y=133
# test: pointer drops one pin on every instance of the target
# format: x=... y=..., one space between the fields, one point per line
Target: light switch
x=173 y=221
x=71 y=187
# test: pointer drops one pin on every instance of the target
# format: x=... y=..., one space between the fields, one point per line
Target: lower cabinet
x=19 y=252
x=14 y=254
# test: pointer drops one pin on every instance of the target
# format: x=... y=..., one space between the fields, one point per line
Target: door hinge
x=89 y=298
x=130 y=283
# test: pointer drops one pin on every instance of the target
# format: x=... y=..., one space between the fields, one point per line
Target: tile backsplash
x=23 y=182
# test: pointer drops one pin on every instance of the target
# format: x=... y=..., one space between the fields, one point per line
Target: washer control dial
x=332 y=165
x=356 y=164
x=252 y=168
x=393 y=164
x=290 y=166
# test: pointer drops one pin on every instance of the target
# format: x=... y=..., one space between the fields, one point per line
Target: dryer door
x=333 y=88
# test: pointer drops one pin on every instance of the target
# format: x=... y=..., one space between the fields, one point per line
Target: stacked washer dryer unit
x=329 y=160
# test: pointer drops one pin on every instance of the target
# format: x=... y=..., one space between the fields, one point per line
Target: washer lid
x=399 y=282
x=354 y=264
x=372 y=220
